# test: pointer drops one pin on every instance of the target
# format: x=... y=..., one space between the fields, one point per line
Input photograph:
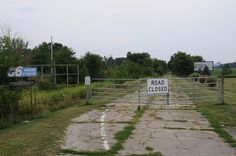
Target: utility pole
x=51 y=58
x=53 y=68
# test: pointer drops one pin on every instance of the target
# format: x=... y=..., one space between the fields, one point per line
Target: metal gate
x=182 y=91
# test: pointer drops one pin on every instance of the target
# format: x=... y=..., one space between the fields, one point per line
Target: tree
x=13 y=52
x=197 y=58
x=83 y=70
x=181 y=63
x=62 y=54
x=41 y=54
x=94 y=64
x=159 y=66
x=139 y=58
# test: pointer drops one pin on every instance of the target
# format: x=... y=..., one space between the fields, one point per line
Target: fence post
x=87 y=83
x=54 y=75
x=222 y=90
x=78 y=74
x=41 y=73
x=138 y=94
x=168 y=98
x=67 y=75
x=193 y=89
x=87 y=94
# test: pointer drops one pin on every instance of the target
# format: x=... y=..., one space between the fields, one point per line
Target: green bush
x=212 y=82
x=82 y=92
x=46 y=84
x=9 y=108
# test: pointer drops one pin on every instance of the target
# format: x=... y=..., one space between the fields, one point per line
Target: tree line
x=15 y=52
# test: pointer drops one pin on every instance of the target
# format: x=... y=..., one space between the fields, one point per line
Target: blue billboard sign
x=22 y=72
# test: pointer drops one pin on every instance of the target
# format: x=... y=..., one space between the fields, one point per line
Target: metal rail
x=181 y=91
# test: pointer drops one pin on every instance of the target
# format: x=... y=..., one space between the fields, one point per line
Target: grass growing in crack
x=149 y=148
x=121 y=137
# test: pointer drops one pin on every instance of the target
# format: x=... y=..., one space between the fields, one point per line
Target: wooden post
x=54 y=74
x=78 y=74
x=193 y=89
x=168 y=98
x=168 y=94
x=67 y=75
x=139 y=95
x=87 y=94
x=41 y=73
x=35 y=99
x=31 y=100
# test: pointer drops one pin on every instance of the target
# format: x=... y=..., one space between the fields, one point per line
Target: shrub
x=46 y=85
x=211 y=82
x=9 y=107
x=82 y=92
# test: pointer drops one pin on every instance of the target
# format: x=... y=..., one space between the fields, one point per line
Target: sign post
x=159 y=87
x=87 y=83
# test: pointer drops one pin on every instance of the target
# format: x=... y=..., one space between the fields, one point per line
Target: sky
x=114 y=27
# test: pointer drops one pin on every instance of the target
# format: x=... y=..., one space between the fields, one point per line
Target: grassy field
x=223 y=116
x=217 y=72
x=40 y=136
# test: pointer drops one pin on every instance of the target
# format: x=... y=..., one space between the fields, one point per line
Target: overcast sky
x=114 y=27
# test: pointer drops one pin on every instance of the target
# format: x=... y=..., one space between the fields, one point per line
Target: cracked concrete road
x=95 y=130
x=174 y=130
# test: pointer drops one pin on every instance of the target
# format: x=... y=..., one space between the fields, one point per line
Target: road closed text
x=158 y=86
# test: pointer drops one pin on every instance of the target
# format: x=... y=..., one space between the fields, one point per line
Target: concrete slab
x=95 y=130
x=175 y=133
x=173 y=130
x=87 y=136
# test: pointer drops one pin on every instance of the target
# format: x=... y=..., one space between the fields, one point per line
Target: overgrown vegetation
x=19 y=109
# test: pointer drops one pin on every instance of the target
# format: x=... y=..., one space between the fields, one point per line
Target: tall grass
x=43 y=102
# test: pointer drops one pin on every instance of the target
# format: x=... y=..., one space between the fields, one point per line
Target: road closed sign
x=157 y=86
